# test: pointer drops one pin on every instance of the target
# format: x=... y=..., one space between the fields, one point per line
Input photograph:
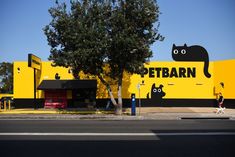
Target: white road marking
x=119 y=134
x=77 y=134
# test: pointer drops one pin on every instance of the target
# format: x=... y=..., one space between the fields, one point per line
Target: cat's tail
x=206 y=69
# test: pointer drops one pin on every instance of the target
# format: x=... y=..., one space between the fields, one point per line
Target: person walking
x=220 y=104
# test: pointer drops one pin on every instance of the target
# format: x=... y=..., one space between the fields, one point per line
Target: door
x=55 y=99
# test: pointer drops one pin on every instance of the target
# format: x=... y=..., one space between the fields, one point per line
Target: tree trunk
x=111 y=96
x=109 y=90
x=119 y=106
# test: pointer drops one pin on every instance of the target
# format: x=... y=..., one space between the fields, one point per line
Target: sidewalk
x=146 y=113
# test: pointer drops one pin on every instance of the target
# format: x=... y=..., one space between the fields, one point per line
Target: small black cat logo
x=193 y=53
x=57 y=77
x=156 y=93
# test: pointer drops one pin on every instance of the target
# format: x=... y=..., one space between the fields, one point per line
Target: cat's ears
x=184 y=45
x=161 y=86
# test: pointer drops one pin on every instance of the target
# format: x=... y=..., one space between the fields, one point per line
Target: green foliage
x=6 y=77
x=78 y=38
x=132 y=33
x=93 y=33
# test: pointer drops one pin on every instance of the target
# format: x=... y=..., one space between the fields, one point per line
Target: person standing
x=220 y=104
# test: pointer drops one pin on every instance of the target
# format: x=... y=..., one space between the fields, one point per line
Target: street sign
x=34 y=62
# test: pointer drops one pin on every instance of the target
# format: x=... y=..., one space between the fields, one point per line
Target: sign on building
x=34 y=62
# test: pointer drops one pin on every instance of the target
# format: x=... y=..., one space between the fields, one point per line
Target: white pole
x=139 y=103
x=138 y=86
x=139 y=100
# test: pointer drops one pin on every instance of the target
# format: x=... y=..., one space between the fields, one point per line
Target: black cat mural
x=193 y=53
x=156 y=93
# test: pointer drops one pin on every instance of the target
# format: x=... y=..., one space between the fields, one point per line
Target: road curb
x=161 y=114
x=108 y=117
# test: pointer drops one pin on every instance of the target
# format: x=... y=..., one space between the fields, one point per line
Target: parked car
x=7 y=99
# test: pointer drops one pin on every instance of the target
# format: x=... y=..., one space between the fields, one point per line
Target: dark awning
x=67 y=84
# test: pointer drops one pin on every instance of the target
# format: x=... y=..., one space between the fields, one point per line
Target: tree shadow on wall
x=102 y=93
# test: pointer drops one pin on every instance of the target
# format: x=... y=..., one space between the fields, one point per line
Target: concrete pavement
x=145 y=113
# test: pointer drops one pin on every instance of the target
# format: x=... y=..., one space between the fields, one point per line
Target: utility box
x=133 y=104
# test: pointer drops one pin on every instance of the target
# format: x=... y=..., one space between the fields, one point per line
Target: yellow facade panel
x=224 y=72
x=175 y=86
x=23 y=80
x=180 y=80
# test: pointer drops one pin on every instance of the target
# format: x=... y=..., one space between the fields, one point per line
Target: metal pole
x=5 y=105
x=34 y=79
x=9 y=104
x=139 y=102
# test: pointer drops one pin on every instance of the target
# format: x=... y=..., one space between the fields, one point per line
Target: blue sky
x=209 y=23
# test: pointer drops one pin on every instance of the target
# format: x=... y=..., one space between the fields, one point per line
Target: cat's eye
x=183 y=51
x=175 y=51
x=154 y=90
x=159 y=90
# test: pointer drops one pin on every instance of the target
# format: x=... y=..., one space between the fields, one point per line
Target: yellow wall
x=224 y=72
x=23 y=79
x=126 y=83
x=176 y=87
x=199 y=87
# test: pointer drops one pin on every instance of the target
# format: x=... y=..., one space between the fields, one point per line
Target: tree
x=78 y=38
x=103 y=38
x=6 y=77
x=132 y=33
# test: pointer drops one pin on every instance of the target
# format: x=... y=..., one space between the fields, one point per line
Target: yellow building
x=162 y=84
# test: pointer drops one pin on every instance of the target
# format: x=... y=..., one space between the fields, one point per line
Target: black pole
x=34 y=79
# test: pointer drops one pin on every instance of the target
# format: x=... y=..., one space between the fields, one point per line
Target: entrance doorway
x=55 y=99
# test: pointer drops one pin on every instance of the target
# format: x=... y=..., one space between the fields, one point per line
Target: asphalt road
x=117 y=138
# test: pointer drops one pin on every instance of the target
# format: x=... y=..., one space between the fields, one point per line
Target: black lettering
x=158 y=70
x=36 y=62
x=165 y=72
x=145 y=71
x=173 y=73
x=191 y=72
x=182 y=72
x=151 y=72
